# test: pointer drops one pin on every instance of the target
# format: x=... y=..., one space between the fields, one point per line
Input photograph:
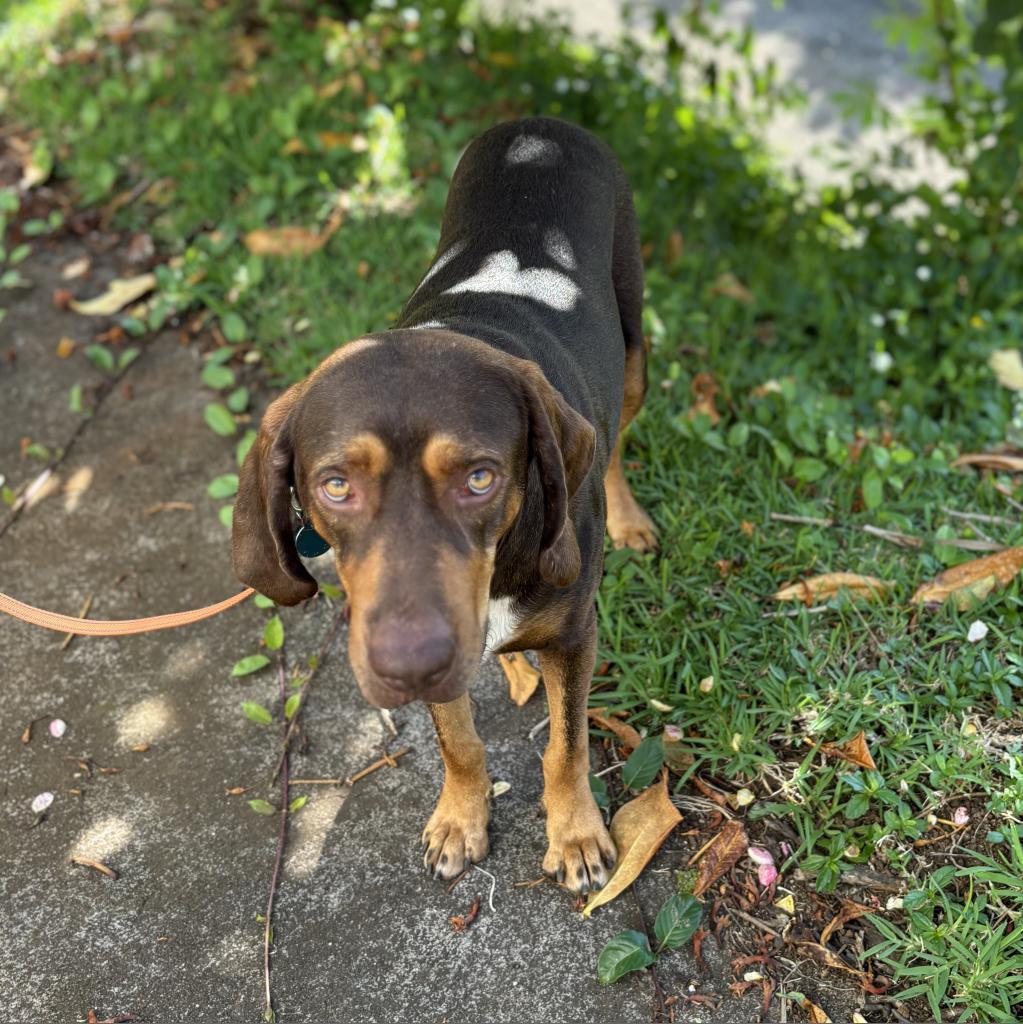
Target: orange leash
x=114 y=627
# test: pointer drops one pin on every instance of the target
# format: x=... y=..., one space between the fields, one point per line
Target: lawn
x=818 y=364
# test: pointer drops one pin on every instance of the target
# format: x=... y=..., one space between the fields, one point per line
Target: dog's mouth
x=386 y=693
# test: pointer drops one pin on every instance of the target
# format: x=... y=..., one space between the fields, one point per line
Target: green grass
x=876 y=328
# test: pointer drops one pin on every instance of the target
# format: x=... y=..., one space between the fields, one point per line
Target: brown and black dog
x=463 y=465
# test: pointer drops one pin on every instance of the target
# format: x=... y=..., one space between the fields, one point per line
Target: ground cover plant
x=820 y=364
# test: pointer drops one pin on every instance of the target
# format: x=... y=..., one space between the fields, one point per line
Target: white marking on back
x=501 y=274
x=502 y=622
x=558 y=247
x=426 y=325
x=441 y=261
x=531 y=149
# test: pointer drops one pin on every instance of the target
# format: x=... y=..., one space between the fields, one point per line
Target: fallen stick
x=386 y=760
x=83 y=614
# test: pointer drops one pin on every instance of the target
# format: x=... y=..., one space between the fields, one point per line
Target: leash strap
x=114 y=627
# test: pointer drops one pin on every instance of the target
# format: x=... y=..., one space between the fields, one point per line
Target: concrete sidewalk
x=361 y=933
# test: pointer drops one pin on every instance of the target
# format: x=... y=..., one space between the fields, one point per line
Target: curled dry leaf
x=292 y=240
x=88 y=862
x=854 y=751
x=971 y=581
x=65 y=347
x=997 y=461
x=120 y=292
x=1008 y=368
x=522 y=678
x=629 y=738
x=462 y=921
x=821 y=588
x=825 y=956
x=720 y=855
x=704 y=387
x=731 y=287
x=850 y=912
x=638 y=829
x=814 y=1014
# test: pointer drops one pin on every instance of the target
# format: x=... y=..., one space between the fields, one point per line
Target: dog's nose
x=414 y=651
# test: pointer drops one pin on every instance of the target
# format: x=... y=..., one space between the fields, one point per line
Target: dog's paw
x=456 y=834
x=632 y=528
x=580 y=855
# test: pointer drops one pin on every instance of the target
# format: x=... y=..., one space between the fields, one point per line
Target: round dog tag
x=309 y=543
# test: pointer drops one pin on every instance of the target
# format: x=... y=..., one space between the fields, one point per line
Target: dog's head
x=412 y=454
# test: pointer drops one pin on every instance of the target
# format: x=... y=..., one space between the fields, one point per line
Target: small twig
x=973 y=545
x=539 y=727
x=168 y=506
x=317 y=782
x=88 y=862
x=388 y=760
x=1006 y=493
x=816 y=610
x=388 y=720
x=903 y=540
x=83 y=614
x=752 y=920
x=979 y=517
x=781 y=517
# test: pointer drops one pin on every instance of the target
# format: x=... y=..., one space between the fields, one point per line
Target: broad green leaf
x=100 y=357
x=224 y=486
x=128 y=356
x=257 y=713
x=298 y=803
x=273 y=633
x=262 y=807
x=331 y=590
x=238 y=400
x=253 y=663
x=216 y=376
x=873 y=489
x=628 y=951
x=291 y=705
x=598 y=787
x=233 y=327
x=74 y=398
x=242 y=449
x=643 y=765
x=263 y=602
x=226 y=515
x=677 y=921
x=219 y=420
x=808 y=470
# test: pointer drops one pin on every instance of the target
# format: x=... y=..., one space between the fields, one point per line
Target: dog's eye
x=479 y=481
x=337 y=488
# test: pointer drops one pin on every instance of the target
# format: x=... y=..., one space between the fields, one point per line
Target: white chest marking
x=502 y=622
x=531 y=149
x=502 y=275
x=442 y=261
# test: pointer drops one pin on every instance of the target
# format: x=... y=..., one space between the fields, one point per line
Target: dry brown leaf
x=971 y=581
x=1008 y=368
x=674 y=247
x=821 y=588
x=522 y=678
x=748 y=528
x=850 y=912
x=991 y=460
x=854 y=751
x=825 y=956
x=88 y=862
x=119 y=293
x=704 y=387
x=720 y=854
x=731 y=287
x=291 y=240
x=65 y=347
x=814 y=1014
x=630 y=739
x=637 y=829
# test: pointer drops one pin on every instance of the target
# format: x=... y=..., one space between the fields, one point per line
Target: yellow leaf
x=293 y=147
x=522 y=678
x=1008 y=368
x=65 y=347
x=997 y=461
x=119 y=293
x=814 y=1013
x=818 y=588
x=638 y=829
x=786 y=904
x=971 y=581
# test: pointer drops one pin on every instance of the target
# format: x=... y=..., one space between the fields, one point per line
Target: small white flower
x=877 y=320
x=961 y=816
x=978 y=630
x=387 y=5
x=41 y=802
x=57 y=728
x=561 y=85
x=881 y=362
x=410 y=14
x=923 y=273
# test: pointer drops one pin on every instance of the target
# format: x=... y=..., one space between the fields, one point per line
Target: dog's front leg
x=580 y=853
x=456 y=833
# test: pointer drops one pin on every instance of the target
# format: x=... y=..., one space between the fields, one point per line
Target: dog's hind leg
x=627 y=524
x=456 y=834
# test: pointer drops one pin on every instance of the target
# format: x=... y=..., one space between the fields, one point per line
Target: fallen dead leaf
x=850 y=912
x=65 y=347
x=814 y=1014
x=704 y=387
x=87 y=862
x=825 y=956
x=462 y=921
x=731 y=287
x=1008 y=368
x=821 y=588
x=747 y=527
x=719 y=855
x=292 y=240
x=854 y=751
x=638 y=829
x=971 y=581
x=522 y=678
x=674 y=247
x=991 y=460
x=630 y=739
x=76 y=268
x=169 y=506
x=120 y=292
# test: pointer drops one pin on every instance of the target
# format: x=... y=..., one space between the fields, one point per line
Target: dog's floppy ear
x=562 y=442
x=262 y=537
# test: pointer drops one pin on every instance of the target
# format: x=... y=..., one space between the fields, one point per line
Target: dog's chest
x=502 y=622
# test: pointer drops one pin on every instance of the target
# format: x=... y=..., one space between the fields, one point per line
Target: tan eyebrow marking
x=443 y=454
x=369 y=453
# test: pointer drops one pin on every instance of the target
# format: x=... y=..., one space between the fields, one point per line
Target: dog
x=463 y=466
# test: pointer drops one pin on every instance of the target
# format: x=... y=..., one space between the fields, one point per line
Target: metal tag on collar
x=308 y=542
